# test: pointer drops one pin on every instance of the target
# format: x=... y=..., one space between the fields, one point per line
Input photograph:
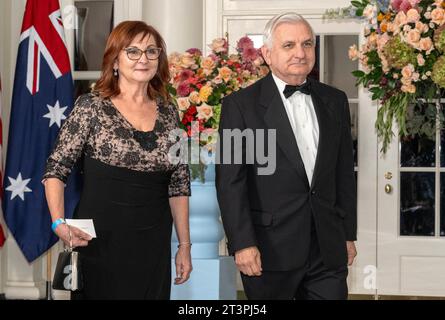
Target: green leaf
x=357 y=4
x=358 y=73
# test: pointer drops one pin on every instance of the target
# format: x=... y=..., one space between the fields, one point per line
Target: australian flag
x=42 y=99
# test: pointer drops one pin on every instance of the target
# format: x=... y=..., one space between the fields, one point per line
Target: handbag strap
x=70 y=238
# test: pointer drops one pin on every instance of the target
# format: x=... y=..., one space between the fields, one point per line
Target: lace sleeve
x=71 y=140
x=180 y=179
x=180 y=182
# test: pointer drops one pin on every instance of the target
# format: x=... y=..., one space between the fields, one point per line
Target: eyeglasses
x=152 y=53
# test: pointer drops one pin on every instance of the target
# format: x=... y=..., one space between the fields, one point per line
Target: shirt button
x=313 y=192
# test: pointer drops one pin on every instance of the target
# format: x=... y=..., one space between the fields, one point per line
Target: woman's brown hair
x=121 y=36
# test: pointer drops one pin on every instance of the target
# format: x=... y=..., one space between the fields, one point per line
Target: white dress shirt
x=303 y=119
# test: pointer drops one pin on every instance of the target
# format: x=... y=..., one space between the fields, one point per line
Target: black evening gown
x=128 y=180
x=130 y=258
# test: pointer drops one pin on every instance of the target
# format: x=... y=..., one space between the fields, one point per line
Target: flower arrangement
x=198 y=84
x=403 y=63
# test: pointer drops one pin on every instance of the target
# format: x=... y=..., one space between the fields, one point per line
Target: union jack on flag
x=42 y=99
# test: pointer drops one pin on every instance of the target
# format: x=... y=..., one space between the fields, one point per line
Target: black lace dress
x=127 y=181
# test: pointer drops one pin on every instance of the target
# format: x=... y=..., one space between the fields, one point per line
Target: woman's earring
x=115 y=72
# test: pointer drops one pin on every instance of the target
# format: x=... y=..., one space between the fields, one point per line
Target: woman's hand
x=183 y=261
x=72 y=236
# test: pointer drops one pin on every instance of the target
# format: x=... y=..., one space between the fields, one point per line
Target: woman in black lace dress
x=131 y=190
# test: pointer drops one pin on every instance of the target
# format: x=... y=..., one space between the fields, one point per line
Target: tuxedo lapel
x=276 y=117
x=327 y=125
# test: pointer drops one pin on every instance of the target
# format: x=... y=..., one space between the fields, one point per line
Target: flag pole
x=48 y=276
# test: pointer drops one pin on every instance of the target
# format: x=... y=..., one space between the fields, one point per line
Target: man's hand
x=248 y=261
x=352 y=251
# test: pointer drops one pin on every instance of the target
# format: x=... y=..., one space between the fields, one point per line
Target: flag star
x=55 y=114
x=18 y=187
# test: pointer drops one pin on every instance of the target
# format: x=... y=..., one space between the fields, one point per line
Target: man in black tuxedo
x=292 y=232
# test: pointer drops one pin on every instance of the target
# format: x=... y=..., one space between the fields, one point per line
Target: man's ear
x=266 y=54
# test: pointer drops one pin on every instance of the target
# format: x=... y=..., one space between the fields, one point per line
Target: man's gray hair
x=287 y=17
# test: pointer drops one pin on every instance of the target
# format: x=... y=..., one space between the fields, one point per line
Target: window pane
x=94 y=24
x=83 y=86
x=338 y=66
x=417 y=152
x=442 y=204
x=442 y=148
x=257 y=40
x=417 y=204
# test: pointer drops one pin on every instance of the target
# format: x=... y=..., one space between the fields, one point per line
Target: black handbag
x=68 y=274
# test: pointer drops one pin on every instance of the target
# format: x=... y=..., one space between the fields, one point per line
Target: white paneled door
x=411 y=220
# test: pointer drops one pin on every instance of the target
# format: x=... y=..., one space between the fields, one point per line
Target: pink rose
x=437 y=16
x=353 y=52
x=413 y=37
x=244 y=42
x=194 y=51
x=250 y=53
x=205 y=112
x=420 y=60
x=219 y=45
x=183 y=103
x=258 y=61
x=405 y=6
x=426 y=44
x=400 y=19
x=395 y=4
x=183 y=89
x=187 y=60
x=194 y=97
x=413 y=15
x=185 y=75
x=407 y=71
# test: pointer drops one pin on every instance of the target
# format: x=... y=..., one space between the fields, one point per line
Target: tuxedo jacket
x=274 y=212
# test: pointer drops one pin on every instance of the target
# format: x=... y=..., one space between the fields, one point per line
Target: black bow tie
x=290 y=90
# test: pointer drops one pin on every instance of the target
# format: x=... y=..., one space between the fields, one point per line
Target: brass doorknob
x=388 y=188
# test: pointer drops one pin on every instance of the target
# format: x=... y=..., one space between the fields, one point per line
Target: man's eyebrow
x=293 y=42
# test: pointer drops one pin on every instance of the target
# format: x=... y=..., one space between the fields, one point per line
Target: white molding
x=86 y=75
x=278 y=6
x=127 y=10
x=135 y=9
x=24 y=290
x=23 y=280
x=212 y=22
x=69 y=32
